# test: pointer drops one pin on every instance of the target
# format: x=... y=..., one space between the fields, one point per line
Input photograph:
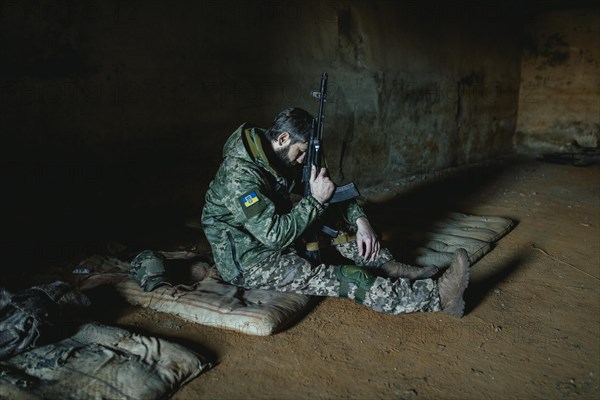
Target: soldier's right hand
x=321 y=186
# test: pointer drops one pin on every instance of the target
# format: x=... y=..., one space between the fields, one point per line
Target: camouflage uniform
x=252 y=227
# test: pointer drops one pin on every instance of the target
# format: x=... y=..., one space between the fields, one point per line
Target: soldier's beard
x=283 y=157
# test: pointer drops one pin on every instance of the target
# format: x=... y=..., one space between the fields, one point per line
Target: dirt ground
x=532 y=324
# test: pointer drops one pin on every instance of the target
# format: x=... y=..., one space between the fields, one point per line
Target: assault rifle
x=314 y=153
x=314 y=156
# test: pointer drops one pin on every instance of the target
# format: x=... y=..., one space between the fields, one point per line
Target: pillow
x=100 y=362
x=436 y=246
x=207 y=300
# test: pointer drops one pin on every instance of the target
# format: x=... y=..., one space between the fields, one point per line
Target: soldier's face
x=291 y=155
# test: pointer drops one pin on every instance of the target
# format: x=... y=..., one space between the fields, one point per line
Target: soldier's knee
x=358 y=276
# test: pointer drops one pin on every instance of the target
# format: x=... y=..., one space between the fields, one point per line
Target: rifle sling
x=254 y=145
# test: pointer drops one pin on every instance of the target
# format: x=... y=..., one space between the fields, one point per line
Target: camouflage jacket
x=247 y=214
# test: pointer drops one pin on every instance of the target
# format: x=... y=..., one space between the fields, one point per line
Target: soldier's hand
x=366 y=240
x=321 y=187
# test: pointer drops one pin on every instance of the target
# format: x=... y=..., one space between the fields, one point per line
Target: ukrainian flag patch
x=249 y=199
x=252 y=203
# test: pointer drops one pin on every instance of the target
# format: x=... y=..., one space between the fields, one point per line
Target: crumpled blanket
x=100 y=362
x=34 y=312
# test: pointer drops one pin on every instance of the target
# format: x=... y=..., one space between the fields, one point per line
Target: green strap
x=344 y=289
x=359 y=296
x=254 y=148
x=257 y=151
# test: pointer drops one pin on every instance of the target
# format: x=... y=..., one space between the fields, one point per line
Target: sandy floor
x=532 y=328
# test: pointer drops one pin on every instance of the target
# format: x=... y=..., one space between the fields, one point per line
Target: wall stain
x=553 y=49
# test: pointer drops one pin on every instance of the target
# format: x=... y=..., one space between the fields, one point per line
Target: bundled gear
x=148 y=270
x=38 y=311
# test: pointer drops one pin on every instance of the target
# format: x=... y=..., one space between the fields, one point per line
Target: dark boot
x=395 y=269
x=453 y=283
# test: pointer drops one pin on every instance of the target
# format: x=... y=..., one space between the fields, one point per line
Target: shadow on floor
x=480 y=289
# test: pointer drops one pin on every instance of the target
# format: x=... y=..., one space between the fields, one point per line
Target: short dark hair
x=296 y=121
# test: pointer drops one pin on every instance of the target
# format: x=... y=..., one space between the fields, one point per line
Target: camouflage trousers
x=287 y=271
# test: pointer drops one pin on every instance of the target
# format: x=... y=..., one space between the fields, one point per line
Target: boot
x=395 y=269
x=452 y=284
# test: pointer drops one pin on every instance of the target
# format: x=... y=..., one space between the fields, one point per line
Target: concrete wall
x=423 y=86
x=116 y=111
x=559 y=100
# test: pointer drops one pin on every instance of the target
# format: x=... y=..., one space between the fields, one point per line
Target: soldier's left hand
x=366 y=240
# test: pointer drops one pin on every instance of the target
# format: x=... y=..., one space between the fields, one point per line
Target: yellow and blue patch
x=252 y=203
x=249 y=199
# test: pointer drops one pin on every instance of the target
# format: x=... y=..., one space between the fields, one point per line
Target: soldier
x=253 y=227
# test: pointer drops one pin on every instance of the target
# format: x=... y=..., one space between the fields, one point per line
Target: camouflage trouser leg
x=288 y=272
x=350 y=251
